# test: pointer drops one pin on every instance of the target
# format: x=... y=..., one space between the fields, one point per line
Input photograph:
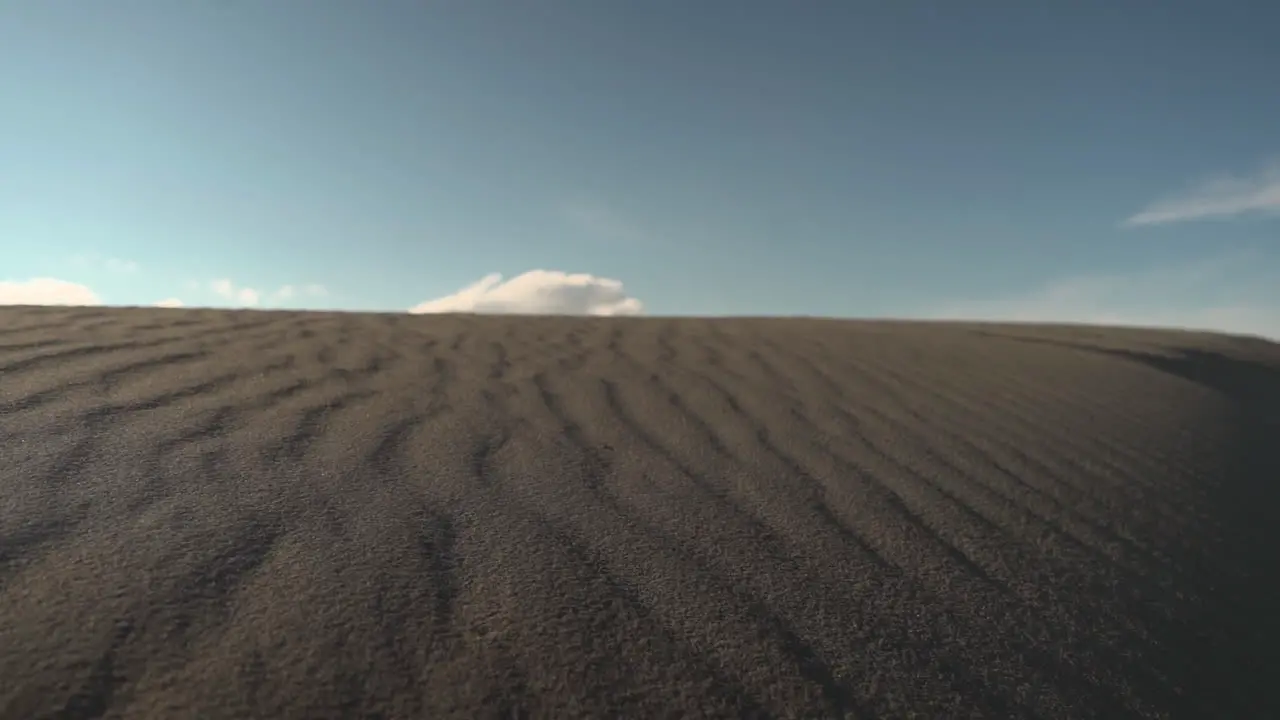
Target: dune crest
x=277 y=514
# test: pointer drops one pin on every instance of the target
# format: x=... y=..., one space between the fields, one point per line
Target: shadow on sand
x=1227 y=662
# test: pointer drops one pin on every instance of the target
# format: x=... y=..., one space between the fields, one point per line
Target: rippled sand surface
x=217 y=514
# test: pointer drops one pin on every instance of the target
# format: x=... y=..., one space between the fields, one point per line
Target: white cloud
x=538 y=292
x=1221 y=197
x=241 y=295
x=51 y=291
x=251 y=297
x=287 y=292
x=1222 y=294
x=46 y=291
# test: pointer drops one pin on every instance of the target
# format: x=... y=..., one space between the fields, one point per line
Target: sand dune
x=300 y=515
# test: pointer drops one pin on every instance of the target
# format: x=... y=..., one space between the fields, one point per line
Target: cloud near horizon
x=1219 y=295
x=1219 y=198
x=46 y=291
x=54 y=291
x=250 y=297
x=242 y=295
x=537 y=292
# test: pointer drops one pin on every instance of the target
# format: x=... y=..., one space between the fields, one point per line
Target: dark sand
x=213 y=514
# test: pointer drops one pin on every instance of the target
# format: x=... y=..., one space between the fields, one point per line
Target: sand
x=218 y=514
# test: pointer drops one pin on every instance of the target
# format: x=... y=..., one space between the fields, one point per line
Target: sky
x=1081 y=161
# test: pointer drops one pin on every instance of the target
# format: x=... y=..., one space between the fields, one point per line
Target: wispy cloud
x=46 y=291
x=1219 y=294
x=110 y=264
x=252 y=297
x=1218 y=198
x=538 y=292
x=245 y=296
x=287 y=292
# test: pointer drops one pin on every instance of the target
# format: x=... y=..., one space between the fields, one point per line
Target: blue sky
x=1084 y=160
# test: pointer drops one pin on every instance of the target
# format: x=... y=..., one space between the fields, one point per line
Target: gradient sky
x=1083 y=160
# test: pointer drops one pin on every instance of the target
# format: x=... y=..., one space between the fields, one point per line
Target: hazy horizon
x=915 y=160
